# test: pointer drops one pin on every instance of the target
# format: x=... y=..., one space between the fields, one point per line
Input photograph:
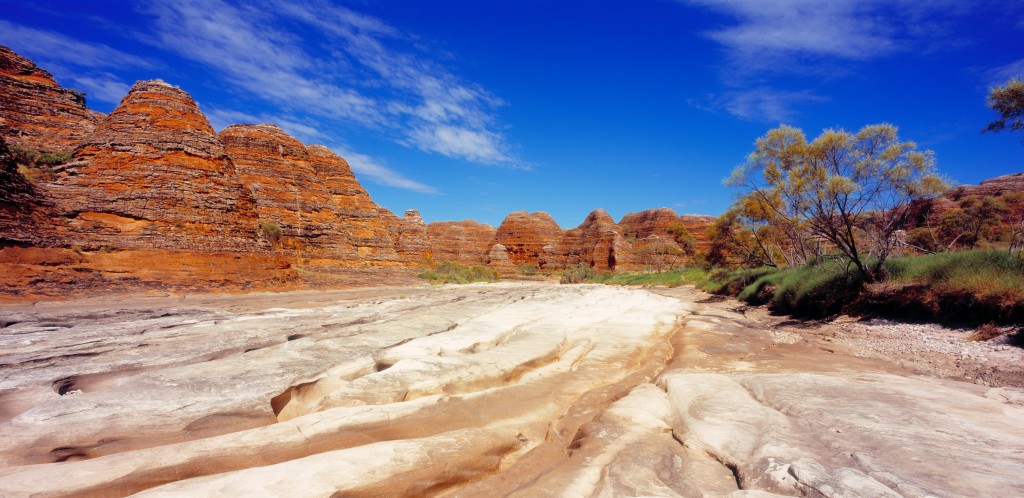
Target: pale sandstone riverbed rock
x=480 y=390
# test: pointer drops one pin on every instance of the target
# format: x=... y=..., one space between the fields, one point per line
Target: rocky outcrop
x=497 y=258
x=596 y=242
x=357 y=213
x=466 y=242
x=409 y=234
x=154 y=175
x=296 y=212
x=1008 y=190
x=525 y=235
x=35 y=112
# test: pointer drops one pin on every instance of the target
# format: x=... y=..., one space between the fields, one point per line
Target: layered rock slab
x=527 y=389
x=36 y=112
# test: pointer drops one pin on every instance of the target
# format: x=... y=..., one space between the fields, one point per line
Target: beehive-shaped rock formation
x=596 y=242
x=466 y=242
x=296 y=211
x=154 y=175
x=409 y=234
x=524 y=235
x=358 y=214
x=35 y=112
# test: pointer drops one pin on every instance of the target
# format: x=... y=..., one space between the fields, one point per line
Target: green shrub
x=986 y=274
x=450 y=272
x=580 y=273
x=527 y=269
x=671 y=278
x=271 y=230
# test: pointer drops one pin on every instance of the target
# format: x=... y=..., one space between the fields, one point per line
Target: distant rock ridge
x=36 y=112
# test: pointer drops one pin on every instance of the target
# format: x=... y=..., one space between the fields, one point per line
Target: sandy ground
x=509 y=389
x=928 y=349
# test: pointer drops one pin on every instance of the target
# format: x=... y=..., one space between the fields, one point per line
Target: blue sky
x=471 y=109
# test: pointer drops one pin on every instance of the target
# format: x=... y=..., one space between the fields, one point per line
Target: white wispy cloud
x=369 y=75
x=764 y=32
x=104 y=87
x=378 y=171
x=1000 y=75
x=810 y=38
x=74 y=62
x=304 y=130
x=766 y=104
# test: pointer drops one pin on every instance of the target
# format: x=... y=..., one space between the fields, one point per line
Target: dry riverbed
x=509 y=389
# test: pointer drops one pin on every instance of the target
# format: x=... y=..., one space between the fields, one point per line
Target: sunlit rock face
x=597 y=242
x=358 y=215
x=524 y=235
x=466 y=242
x=153 y=174
x=479 y=390
x=36 y=112
x=289 y=194
x=409 y=234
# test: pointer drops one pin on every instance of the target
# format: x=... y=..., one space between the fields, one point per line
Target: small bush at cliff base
x=577 y=274
x=450 y=272
x=671 y=278
x=271 y=230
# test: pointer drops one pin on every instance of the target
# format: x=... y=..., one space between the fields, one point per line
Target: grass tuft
x=450 y=272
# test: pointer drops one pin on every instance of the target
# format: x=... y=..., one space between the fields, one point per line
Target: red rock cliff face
x=357 y=213
x=525 y=235
x=466 y=242
x=288 y=193
x=596 y=242
x=154 y=175
x=410 y=236
x=35 y=112
x=1008 y=188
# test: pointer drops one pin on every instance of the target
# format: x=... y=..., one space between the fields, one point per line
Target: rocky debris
x=524 y=235
x=466 y=242
x=597 y=242
x=358 y=215
x=522 y=389
x=296 y=211
x=36 y=112
x=154 y=175
x=410 y=236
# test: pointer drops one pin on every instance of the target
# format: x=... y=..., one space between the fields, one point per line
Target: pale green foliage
x=1008 y=101
x=850 y=190
x=580 y=273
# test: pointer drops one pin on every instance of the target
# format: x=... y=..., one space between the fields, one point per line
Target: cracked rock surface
x=510 y=389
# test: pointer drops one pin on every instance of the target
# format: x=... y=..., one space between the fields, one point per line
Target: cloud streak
x=345 y=69
x=79 y=63
x=810 y=38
